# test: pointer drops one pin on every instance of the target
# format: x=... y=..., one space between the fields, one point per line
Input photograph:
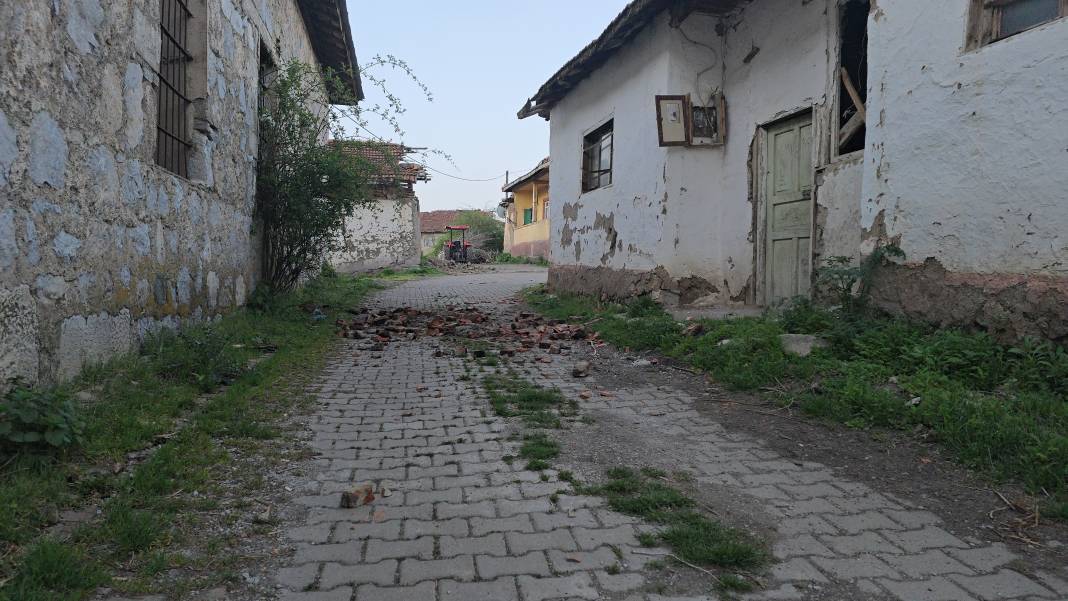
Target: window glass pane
x=1026 y=14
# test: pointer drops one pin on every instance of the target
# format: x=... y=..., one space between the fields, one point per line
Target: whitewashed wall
x=382 y=234
x=967 y=158
x=966 y=169
x=685 y=212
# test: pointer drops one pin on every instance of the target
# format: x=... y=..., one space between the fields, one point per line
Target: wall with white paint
x=967 y=151
x=98 y=245
x=688 y=211
x=384 y=233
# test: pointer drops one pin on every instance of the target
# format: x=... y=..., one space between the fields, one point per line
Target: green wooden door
x=789 y=210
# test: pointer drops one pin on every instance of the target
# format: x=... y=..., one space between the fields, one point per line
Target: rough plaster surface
x=18 y=336
x=966 y=168
x=967 y=157
x=382 y=234
x=686 y=210
x=105 y=242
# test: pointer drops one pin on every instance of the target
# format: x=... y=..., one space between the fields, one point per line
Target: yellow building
x=526 y=213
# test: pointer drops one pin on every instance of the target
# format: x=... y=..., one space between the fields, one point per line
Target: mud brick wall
x=98 y=244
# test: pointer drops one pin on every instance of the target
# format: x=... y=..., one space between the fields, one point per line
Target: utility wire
x=438 y=171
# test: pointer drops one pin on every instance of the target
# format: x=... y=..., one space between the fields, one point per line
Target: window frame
x=595 y=140
x=173 y=98
x=528 y=212
x=984 y=22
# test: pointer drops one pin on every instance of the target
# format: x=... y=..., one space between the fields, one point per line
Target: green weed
x=692 y=536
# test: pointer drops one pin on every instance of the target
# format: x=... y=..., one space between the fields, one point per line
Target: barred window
x=172 y=139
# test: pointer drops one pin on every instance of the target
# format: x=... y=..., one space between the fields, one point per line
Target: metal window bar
x=172 y=143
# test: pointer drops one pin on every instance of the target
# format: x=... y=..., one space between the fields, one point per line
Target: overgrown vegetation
x=508 y=258
x=692 y=536
x=511 y=396
x=1001 y=409
x=646 y=493
x=153 y=399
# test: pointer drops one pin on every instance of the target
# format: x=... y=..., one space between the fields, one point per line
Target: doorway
x=787 y=198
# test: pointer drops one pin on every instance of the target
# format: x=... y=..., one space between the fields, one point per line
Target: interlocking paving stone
x=501 y=589
x=339 y=594
x=299 y=577
x=576 y=585
x=335 y=574
x=1005 y=584
x=490 y=544
x=342 y=553
x=521 y=542
x=463 y=524
x=415 y=570
x=935 y=589
x=490 y=567
x=424 y=591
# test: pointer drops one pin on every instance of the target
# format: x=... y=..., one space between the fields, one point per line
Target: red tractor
x=456 y=249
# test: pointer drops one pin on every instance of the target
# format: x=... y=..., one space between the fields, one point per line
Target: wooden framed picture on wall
x=673 y=120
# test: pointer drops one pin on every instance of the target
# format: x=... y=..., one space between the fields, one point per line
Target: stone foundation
x=1009 y=306
x=607 y=283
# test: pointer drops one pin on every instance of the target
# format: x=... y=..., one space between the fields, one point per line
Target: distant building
x=526 y=213
x=432 y=227
x=385 y=233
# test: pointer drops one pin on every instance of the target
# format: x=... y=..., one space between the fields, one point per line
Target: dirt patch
x=904 y=464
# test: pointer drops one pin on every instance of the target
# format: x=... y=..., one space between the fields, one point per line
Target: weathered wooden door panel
x=789 y=210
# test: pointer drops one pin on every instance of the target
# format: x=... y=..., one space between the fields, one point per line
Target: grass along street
x=695 y=539
x=158 y=430
x=1002 y=410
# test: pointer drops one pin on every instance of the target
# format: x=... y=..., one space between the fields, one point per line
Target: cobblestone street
x=462 y=524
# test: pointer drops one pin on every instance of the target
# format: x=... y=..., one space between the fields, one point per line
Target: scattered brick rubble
x=525 y=333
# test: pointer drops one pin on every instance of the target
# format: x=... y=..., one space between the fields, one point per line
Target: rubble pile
x=376 y=328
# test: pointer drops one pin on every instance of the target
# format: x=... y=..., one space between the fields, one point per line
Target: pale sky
x=481 y=60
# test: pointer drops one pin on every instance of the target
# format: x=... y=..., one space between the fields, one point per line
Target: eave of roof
x=331 y=36
x=635 y=17
x=535 y=173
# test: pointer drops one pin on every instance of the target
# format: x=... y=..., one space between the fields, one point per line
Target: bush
x=200 y=355
x=39 y=418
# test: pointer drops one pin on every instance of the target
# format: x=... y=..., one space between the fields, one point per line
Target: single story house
x=384 y=233
x=720 y=151
x=526 y=213
x=432 y=227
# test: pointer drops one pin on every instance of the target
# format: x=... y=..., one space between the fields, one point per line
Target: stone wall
x=382 y=234
x=98 y=244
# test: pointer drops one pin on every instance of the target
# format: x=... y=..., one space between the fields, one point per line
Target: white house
x=721 y=150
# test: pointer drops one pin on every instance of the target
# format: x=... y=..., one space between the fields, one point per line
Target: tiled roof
x=388 y=160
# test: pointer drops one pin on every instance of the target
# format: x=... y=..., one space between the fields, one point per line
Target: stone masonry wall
x=99 y=245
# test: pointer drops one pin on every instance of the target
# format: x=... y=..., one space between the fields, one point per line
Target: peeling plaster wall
x=967 y=157
x=687 y=211
x=383 y=234
x=967 y=168
x=838 y=190
x=105 y=244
